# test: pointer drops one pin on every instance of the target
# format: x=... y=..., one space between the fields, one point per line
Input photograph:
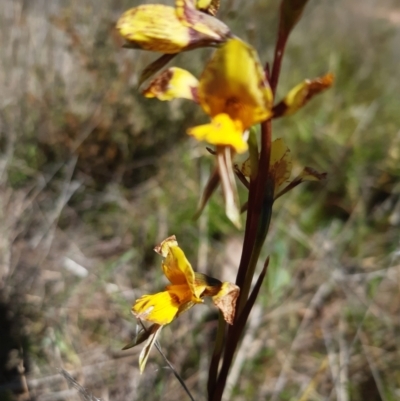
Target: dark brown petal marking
x=160 y=85
x=174 y=298
x=279 y=109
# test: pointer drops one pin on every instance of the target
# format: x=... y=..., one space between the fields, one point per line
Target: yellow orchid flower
x=232 y=85
x=233 y=91
x=187 y=288
x=170 y=30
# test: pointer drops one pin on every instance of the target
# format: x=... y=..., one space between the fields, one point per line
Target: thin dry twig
x=83 y=392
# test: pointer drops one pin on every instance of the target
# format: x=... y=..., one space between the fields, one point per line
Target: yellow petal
x=280 y=162
x=301 y=94
x=185 y=297
x=154 y=27
x=177 y=268
x=208 y=6
x=164 y=29
x=159 y=308
x=171 y=84
x=163 y=247
x=209 y=27
x=179 y=271
x=233 y=83
x=221 y=131
x=154 y=67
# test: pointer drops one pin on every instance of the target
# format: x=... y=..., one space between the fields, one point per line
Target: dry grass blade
x=83 y=393
x=177 y=375
x=310 y=389
x=373 y=367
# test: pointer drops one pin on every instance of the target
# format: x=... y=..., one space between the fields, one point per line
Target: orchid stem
x=218 y=348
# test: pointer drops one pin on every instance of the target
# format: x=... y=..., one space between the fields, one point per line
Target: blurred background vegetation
x=92 y=176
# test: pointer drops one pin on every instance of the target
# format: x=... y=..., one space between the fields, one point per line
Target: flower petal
x=221 y=131
x=185 y=297
x=301 y=94
x=163 y=248
x=154 y=27
x=159 y=308
x=171 y=84
x=208 y=6
x=154 y=67
x=225 y=300
x=177 y=268
x=233 y=83
x=224 y=295
x=164 y=29
x=201 y=23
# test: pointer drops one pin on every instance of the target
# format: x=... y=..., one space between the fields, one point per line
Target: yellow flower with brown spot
x=187 y=288
x=170 y=30
x=234 y=93
x=232 y=90
x=171 y=84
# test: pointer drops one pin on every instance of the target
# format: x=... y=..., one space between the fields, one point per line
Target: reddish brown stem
x=255 y=202
x=276 y=67
x=256 y=194
x=235 y=337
